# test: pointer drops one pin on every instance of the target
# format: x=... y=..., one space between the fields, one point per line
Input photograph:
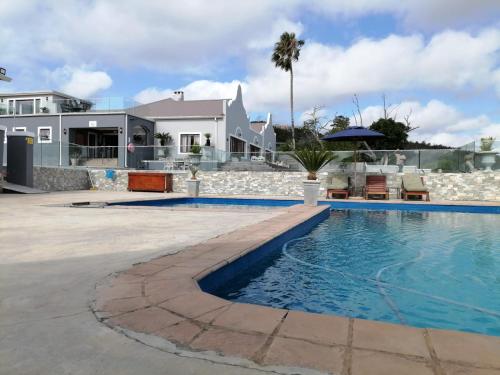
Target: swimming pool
x=424 y=269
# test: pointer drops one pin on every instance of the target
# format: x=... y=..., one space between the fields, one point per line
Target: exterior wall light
x=65 y=131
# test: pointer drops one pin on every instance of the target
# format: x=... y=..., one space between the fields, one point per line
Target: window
x=11 y=107
x=187 y=141
x=45 y=134
x=19 y=129
x=24 y=107
x=37 y=105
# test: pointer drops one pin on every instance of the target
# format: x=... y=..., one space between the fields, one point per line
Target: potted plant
x=193 y=184
x=165 y=139
x=488 y=157
x=74 y=155
x=312 y=160
x=195 y=154
x=207 y=137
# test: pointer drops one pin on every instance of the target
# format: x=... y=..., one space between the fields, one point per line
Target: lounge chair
x=413 y=185
x=337 y=184
x=376 y=185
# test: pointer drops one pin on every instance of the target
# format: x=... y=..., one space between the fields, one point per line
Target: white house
x=225 y=119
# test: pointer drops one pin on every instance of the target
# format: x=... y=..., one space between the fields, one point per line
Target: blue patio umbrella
x=354 y=134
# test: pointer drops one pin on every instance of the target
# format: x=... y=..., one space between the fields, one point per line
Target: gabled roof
x=257 y=125
x=180 y=108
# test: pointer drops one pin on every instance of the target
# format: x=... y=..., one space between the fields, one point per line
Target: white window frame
x=49 y=128
x=179 y=139
x=19 y=128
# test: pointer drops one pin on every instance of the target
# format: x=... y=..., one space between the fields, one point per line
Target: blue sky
x=437 y=61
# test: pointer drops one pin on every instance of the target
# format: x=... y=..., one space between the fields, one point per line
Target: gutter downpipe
x=126 y=140
x=60 y=140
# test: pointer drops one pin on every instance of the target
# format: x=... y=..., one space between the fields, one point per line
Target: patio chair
x=413 y=185
x=376 y=185
x=337 y=184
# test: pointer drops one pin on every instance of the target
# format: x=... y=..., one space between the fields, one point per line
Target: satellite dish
x=3 y=76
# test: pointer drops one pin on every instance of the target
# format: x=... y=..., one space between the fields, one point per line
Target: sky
x=436 y=61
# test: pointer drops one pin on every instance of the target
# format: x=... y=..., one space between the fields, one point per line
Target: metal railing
x=210 y=158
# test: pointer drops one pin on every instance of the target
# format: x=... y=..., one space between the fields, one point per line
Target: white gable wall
x=192 y=126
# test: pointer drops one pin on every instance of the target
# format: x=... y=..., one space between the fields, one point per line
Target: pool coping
x=162 y=298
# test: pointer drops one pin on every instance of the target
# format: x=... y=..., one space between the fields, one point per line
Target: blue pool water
x=425 y=269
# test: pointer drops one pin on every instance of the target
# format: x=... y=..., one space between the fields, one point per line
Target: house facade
x=69 y=132
x=226 y=120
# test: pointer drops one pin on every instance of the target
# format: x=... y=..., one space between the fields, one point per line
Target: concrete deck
x=52 y=258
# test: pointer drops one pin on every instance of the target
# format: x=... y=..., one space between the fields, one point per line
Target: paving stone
x=182 y=333
x=146 y=320
x=376 y=363
x=229 y=343
x=120 y=306
x=119 y=291
x=394 y=338
x=324 y=329
x=145 y=269
x=246 y=317
x=466 y=347
x=194 y=304
x=162 y=290
x=298 y=353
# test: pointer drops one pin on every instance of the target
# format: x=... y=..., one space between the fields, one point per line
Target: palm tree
x=286 y=51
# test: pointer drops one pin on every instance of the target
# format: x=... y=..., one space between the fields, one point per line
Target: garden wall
x=60 y=179
x=443 y=186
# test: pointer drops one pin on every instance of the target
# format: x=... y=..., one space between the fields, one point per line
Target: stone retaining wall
x=60 y=179
x=480 y=186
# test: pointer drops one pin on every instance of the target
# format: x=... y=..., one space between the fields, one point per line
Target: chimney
x=178 y=96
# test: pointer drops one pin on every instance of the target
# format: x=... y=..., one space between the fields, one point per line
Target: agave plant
x=193 y=169
x=313 y=159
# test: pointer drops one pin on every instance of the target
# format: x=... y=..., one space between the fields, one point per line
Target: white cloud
x=451 y=60
x=196 y=90
x=437 y=122
x=80 y=82
x=422 y=14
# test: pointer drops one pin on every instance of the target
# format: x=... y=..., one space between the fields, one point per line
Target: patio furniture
x=413 y=185
x=337 y=184
x=376 y=185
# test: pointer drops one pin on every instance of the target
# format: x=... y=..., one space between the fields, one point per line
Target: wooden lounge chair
x=337 y=184
x=413 y=185
x=376 y=185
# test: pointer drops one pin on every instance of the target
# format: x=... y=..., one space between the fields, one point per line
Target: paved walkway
x=51 y=258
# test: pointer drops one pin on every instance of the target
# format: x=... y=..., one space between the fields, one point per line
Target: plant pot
x=487 y=144
x=193 y=187
x=311 y=192
x=207 y=142
x=195 y=158
x=74 y=162
x=488 y=159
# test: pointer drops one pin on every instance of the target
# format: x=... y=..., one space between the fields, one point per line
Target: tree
x=316 y=123
x=286 y=51
x=339 y=123
x=396 y=134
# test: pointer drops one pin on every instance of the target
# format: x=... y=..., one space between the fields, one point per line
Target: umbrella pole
x=355 y=166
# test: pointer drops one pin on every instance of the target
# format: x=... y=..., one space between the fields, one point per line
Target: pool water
x=424 y=269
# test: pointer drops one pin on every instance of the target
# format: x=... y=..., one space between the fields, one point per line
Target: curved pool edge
x=163 y=298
